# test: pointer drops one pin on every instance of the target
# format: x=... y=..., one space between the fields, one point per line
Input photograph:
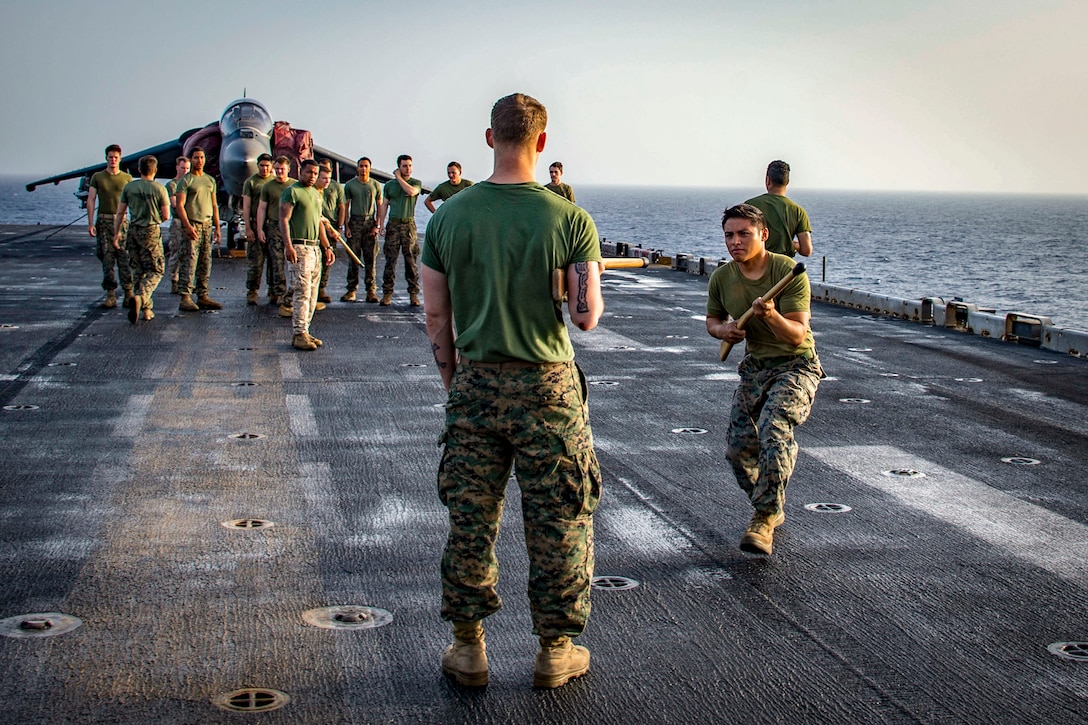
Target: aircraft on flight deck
x=232 y=145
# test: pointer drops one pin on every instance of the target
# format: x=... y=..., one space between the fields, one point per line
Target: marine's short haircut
x=308 y=162
x=403 y=157
x=282 y=160
x=556 y=165
x=517 y=119
x=453 y=164
x=196 y=149
x=745 y=211
x=186 y=159
x=779 y=173
x=325 y=164
x=362 y=159
x=112 y=147
x=264 y=157
x=148 y=165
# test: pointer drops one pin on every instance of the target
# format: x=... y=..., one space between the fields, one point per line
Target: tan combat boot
x=323 y=296
x=287 y=311
x=759 y=538
x=387 y=299
x=319 y=306
x=111 y=299
x=466 y=659
x=251 y=297
x=413 y=300
x=207 y=303
x=303 y=342
x=371 y=297
x=314 y=340
x=186 y=304
x=148 y=314
x=349 y=296
x=559 y=661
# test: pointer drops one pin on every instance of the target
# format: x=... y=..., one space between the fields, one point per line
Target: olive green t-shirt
x=171 y=189
x=363 y=197
x=730 y=294
x=145 y=201
x=401 y=206
x=200 y=201
x=306 y=212
x=332 y=198
x=252 y=189
x=564 y=190
x=785 y=219
x=108 y=188
x=447 y=189
x=270 y=195
x=497 y=244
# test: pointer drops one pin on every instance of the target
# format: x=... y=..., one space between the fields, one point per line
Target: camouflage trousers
x=195 y=260
x=173 y=249
x=303 y=277
x=110 y=257
x=274 y=237
x=325 y=267
x=258 y=262
x=401 y=236
x=769 y=402
x=147 y=262
x=364 y=242
x=535 y=420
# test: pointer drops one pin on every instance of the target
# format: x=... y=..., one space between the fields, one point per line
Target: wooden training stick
x=768 y=295
x=559 y=276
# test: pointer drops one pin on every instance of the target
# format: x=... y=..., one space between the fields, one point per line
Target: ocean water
x=1013 y=253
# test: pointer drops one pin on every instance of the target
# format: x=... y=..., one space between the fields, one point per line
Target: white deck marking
x=301 y=415
x=132 y=418
x=1029 y=532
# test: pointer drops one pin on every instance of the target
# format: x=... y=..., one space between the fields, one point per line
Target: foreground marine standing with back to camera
x=517 y=401
x=778 y=375
x=105 y=188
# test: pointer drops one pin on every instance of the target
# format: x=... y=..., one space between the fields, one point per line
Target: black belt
x=509 y=364
x=410 y=219
x=364 y=218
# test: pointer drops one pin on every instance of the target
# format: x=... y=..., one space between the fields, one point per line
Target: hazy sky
x=960 y=95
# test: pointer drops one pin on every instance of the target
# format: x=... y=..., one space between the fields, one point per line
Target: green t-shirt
x=332 y=198
x=306 y=213
x=447 y=189
x=497 y=244
x=401 y=206
x=731 y=294
x=363 y=197
x=171 y=189
x=564 y=190
x=200 y=201
x=785 y=218
x=252 y=189
x=270 y=195
x=108 y=188
x=145 y=201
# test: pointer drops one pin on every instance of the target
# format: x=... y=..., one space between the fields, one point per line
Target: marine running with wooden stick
x=723 y=351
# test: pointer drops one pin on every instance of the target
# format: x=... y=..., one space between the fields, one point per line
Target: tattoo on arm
x=434 y=351
x=582 y=270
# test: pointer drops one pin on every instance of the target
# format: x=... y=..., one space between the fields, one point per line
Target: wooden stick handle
x=742 y=321
x=559 y=276
x=352 y=255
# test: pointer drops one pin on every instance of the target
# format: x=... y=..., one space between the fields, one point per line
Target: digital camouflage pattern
x=257 y=261
x=175 y=241
x=364 y=242
x=769 y=402
x=274 y=237
x=110 y=257
x=195 y=261
x=146 y=260
x=536 y=421
x=401 y=237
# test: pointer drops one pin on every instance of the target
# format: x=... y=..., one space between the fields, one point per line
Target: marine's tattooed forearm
x=582 y=270
x=434 y=351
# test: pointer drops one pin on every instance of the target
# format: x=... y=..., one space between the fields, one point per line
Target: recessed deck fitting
x=904 y=473
x=8 y=326
x=1021 y=461
x=1077 y=651
x=689 y=431
x=859 y=401
x=385 y=337
x=413 y=365
x=615 y=583
x=827 y=508
x=968 y=380
x=61 y=365
x=860 y=349
x=247 y=349
x=245 y=384
x=247 y=436
x=251 y=699
x=677 y=337
x=606 y=383
x=347 y=617
x=21 y=407
x=248 y=524
x=623 y=347
x=1045 y=362
x=43 y=624
x=889 y=375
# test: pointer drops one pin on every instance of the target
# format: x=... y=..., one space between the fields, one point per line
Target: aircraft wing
x=167 y=154
x=347 y=167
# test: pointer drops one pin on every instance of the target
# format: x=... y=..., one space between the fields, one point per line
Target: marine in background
x=363 y=195
x=304 y=243
x=447 y=188
x=788 y=228
x=555 y=173
x=198 y=210
x=334 y=209
x=778 y=375
x=397 y=223
x=268 y=229
x=105 y=189
x=258 y=263
x=148 y=206
x=175 y=236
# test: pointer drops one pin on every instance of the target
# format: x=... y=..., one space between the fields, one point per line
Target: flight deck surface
x=934 y=555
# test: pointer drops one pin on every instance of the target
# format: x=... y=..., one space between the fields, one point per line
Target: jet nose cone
x=238 y=161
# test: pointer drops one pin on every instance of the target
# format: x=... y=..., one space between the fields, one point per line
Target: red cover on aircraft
x=210 y=139
x=295 y=143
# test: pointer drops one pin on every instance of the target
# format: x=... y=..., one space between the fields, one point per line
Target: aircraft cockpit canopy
x=245 y=114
